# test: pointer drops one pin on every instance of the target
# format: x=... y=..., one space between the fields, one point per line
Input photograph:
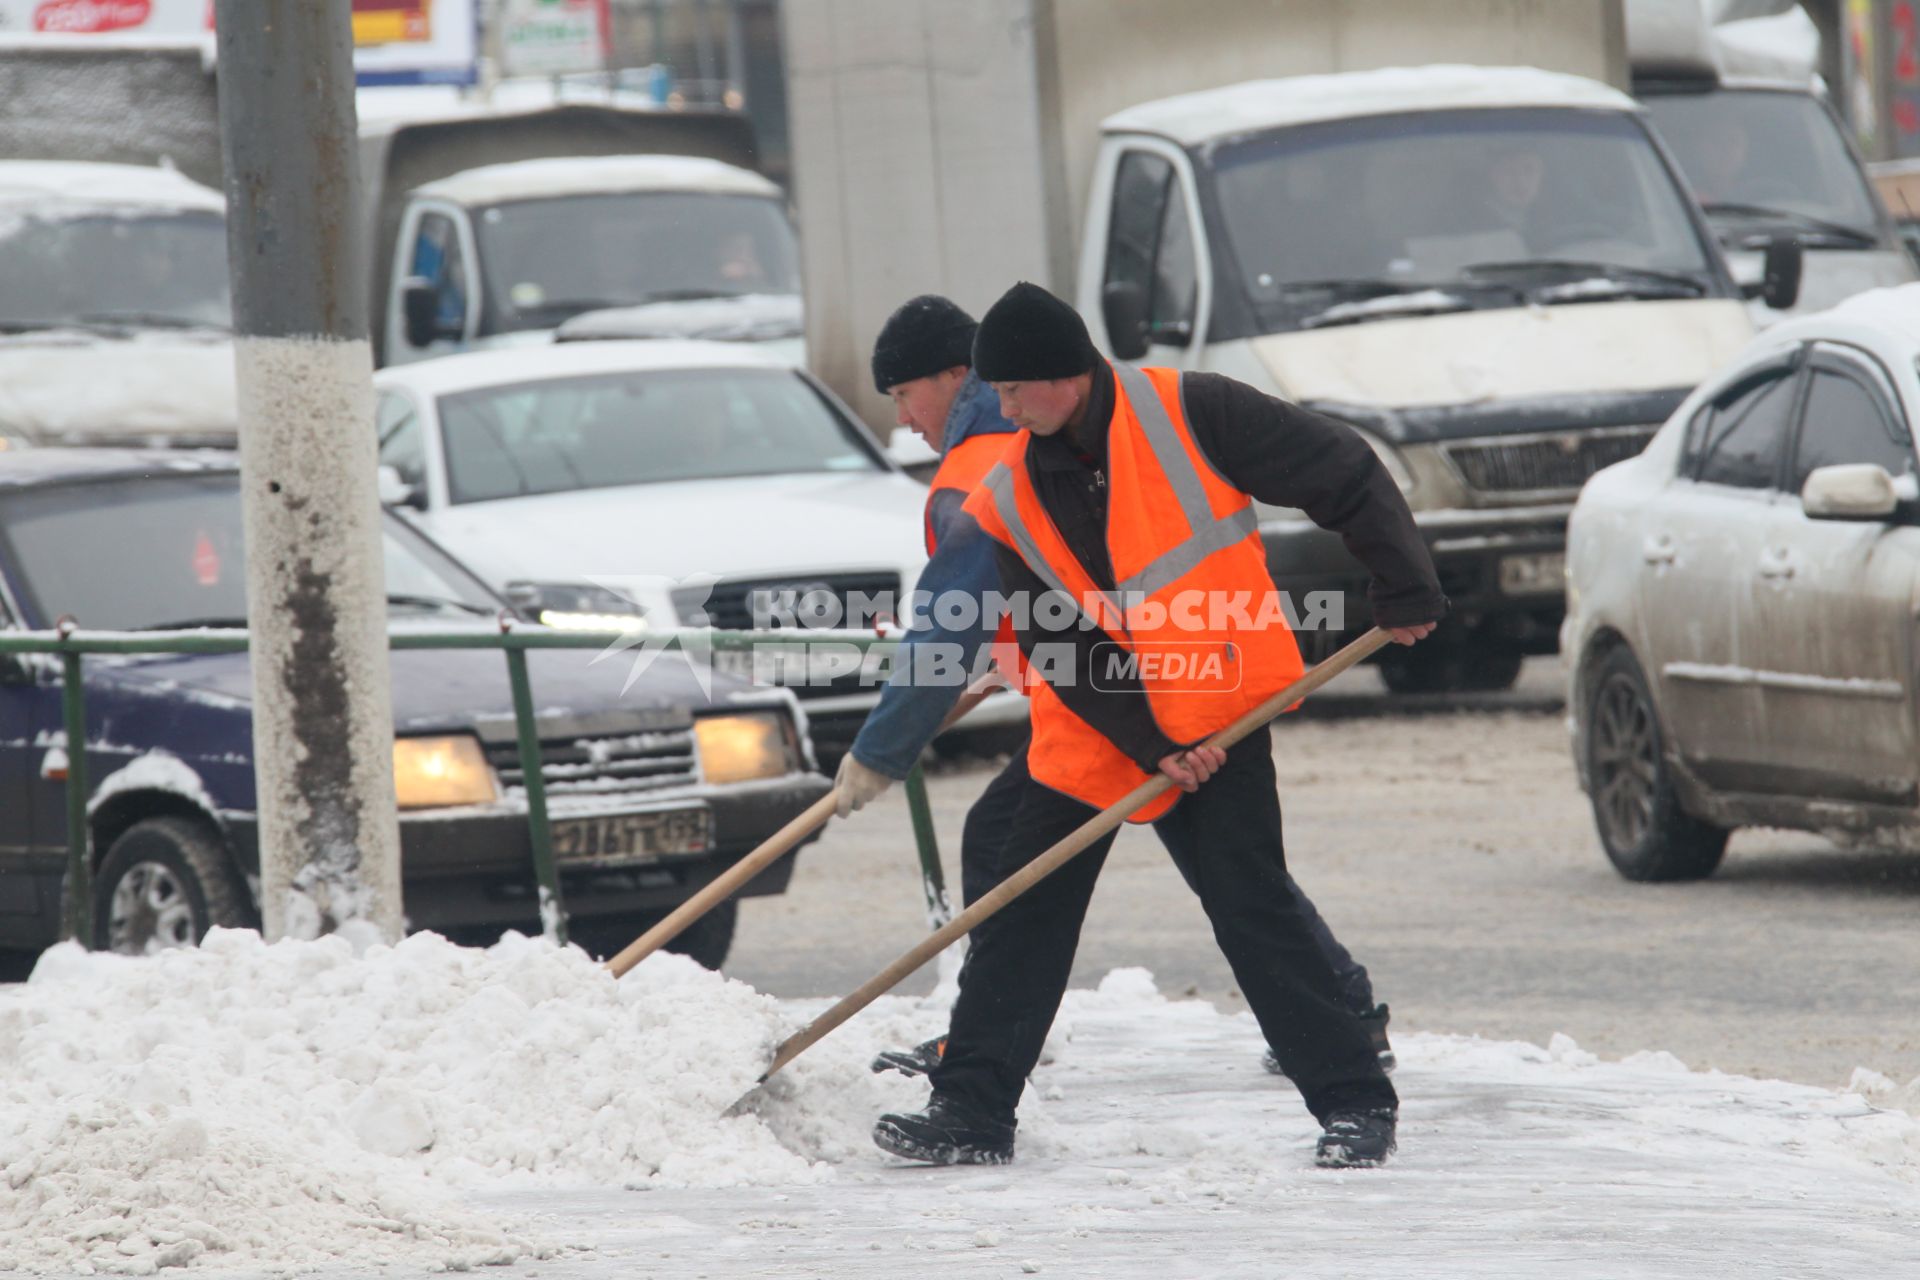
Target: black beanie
x=927 y=334
x=1031 y=336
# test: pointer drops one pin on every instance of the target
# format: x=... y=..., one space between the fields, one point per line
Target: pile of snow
x=294 y=1104
x=427 y=1107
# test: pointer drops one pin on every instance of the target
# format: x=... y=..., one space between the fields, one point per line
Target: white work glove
x=857 y=785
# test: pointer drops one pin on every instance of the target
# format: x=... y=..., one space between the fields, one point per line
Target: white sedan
x=1741 y=601
x=660 y=484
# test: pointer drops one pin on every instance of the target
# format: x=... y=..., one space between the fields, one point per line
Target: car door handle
x=1658 y=549
x=1776 y=563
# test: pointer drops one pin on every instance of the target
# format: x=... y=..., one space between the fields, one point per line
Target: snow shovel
x=770 y=850
x=1047 y=863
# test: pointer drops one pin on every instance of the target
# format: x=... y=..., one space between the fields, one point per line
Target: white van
x=1742 y=108
x=1494 y=273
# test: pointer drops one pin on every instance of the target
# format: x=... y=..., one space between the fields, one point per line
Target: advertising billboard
x=395 y=41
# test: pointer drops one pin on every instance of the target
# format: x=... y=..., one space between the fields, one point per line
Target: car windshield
x=547 y=260
x=1762 y=162
x=95 y=266
x=177 y=556
x=1466 y=208
x=640 y=427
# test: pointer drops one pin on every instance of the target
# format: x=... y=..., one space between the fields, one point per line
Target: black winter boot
x=917 y=1061
x=1374 y=1020
x=1356 y=1140
x=947 y=1132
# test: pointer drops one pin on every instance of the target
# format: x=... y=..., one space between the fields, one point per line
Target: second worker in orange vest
x=1125 y=505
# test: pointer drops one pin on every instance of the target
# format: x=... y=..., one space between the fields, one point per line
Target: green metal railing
x=72 y=645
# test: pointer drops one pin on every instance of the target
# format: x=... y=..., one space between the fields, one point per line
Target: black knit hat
x=927 y=334
x=1031 y=336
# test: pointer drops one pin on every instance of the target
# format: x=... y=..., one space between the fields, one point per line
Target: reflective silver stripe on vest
x=1206 y=533
x=1175 y=462
x=1176 y=564
x=999 y=482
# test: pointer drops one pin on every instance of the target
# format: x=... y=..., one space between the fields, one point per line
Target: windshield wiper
x=608 y=304
x=1806 y=221
x=435 y=602
x=66 y=322
x=1351 y=288
x=151 y=320
x=198 y=624
x=1423 y=302
x=1573 y=268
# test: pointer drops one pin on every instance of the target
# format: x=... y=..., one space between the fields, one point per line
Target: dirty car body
x=1741 y=623
x=640 y=819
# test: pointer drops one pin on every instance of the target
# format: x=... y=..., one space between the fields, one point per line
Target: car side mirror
x=395 y=491
x=1779 y=282
x=1853 y=491
x=420 y=308
x=1123 y=305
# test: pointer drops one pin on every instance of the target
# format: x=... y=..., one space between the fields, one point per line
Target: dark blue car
x=654 y=791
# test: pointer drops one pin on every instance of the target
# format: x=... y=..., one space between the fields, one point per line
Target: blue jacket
x=908 y=716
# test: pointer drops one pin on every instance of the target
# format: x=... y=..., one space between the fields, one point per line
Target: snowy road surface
x=249 y=1110
x=1456 y=855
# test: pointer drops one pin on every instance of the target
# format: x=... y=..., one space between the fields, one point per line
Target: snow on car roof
x=502 y=367
x=585 y=175
x=125 y=184
x=1193 y=118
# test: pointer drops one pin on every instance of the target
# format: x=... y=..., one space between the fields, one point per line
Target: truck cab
x=115 y=323
x=504 y=254
x=1493 y=274
x=1743 y=111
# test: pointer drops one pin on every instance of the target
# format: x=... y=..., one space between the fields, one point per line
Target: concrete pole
x=323 y=713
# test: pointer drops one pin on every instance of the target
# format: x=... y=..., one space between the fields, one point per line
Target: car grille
x=1532 y=464
x=740 y=605
x=618 y=762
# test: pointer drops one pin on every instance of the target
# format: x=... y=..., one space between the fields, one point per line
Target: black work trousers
x=1228 y=838
x=990 y=823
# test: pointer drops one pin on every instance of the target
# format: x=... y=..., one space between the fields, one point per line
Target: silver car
x=1741 y=631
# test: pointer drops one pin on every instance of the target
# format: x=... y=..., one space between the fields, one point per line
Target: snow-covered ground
x=253 y=1109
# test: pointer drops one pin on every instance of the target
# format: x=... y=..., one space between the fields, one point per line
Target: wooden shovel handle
x=1050 y=861
x=725 y=885
x=769 y=851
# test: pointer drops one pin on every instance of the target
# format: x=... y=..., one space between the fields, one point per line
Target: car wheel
x=164 y=883
x=1447 y=668
x=1645 y=832
x=707 y=940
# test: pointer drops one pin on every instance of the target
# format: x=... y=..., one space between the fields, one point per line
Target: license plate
x=633 y=837
x=1535 y=575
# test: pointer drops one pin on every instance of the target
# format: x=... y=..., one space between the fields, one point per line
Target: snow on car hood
x=448 y=689
x=1512 y=353
x=66 y=386
x=746 y=527
x=749 y=317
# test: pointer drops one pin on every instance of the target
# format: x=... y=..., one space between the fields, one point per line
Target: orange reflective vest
x=962 y=469
x=1192 y=617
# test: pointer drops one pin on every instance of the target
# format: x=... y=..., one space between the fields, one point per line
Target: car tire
x=707 y=940
x=163 y=884
x=1448 y=668
x=1636 y=810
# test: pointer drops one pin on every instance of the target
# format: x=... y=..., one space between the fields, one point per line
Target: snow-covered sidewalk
x=259 y=1109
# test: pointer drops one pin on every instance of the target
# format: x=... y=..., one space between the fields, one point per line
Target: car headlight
x=570 y=606
x=438 y=773
x=740 y=748
x=1390 y=459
